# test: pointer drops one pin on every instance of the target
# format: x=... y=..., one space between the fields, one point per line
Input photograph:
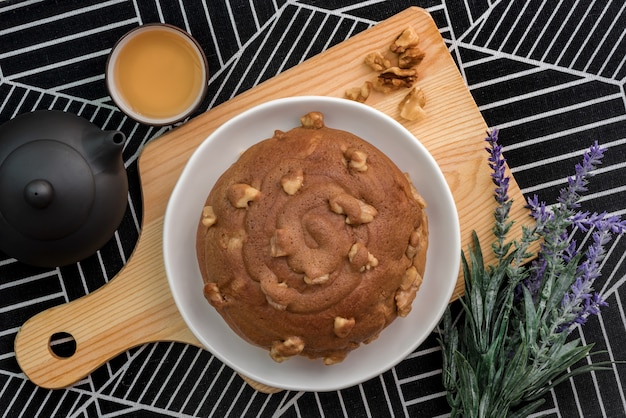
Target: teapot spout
x=116 y=138
x=111 y=141
x=104 y=147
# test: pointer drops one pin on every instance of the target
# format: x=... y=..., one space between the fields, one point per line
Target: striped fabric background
x=549 y=73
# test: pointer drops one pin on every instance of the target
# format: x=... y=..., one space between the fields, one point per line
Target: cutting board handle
x=134 y=308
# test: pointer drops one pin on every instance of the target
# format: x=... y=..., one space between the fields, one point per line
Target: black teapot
x=63 y=187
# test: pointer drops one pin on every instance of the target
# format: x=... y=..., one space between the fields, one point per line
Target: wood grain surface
x=136 y=307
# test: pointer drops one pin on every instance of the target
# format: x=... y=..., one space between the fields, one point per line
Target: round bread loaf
x=312 y=243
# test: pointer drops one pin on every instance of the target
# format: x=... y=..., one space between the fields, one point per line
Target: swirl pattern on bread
x=312 y=243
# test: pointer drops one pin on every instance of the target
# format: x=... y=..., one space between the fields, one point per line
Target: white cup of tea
x=157 y=74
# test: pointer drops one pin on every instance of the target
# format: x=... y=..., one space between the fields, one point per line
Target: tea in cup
x=157 y=74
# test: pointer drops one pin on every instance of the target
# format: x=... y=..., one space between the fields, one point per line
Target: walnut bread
x=312 y=243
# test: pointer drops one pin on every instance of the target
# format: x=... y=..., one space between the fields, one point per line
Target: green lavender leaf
x=467 y=380
x=528 y=409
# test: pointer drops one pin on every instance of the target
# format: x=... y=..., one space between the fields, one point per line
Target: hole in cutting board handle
x=62 y=345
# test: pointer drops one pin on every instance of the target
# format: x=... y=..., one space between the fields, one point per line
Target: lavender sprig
x=511 y=345
x=501 y=194
x=577 y=183
x=555 y=227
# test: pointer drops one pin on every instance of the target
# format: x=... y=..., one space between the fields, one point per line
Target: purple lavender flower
x=539 y=211
x=602 y=221
x=581 y=301
x=497 y=163
x=502 y=224
x=577 y=183
x=553 y=224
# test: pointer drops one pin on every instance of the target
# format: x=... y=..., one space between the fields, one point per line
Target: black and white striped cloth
x=550 y=74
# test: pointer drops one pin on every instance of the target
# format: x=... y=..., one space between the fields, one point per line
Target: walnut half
x=396 y=77
x=410 y=58
x=407 y=39
x=376 y=61
x=359 y=94
x=412 y=106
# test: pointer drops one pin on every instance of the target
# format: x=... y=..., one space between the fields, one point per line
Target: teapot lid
x=47 y=189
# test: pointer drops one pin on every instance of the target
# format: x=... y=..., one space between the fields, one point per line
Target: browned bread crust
x=312 y=243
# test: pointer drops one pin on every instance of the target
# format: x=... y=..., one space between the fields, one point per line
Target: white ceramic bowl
x=218 y=152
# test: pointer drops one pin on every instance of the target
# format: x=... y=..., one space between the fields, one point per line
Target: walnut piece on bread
x=342 y=326
x=357 y=159
x=282 y=350
x=241 y=194
x=312 y=120
x=407 y=291
x=357 y=212
x=208 y=216
x=292 y=182
x=361 y=258
x=213 y=295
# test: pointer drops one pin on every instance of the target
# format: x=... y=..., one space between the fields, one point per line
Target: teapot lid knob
x=39 y=193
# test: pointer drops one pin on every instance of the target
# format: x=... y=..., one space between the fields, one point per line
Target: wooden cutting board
x=136 y=307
